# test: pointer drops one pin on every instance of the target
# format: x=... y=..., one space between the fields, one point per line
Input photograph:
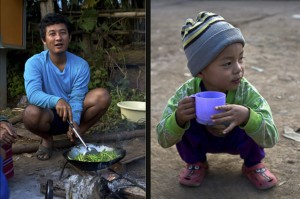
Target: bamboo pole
x=123 y=14
x=116 y=14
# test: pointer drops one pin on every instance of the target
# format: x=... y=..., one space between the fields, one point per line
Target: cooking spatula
x=90 y=150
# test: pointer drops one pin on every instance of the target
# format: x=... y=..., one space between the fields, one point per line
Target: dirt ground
x=271 y=30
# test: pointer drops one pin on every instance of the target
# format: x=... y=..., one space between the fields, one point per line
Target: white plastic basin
x=133 y=111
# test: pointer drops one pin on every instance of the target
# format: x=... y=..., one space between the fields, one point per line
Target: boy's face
x=226 y=71
x=57 y=38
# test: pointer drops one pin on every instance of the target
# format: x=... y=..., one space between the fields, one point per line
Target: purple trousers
x=197 y=142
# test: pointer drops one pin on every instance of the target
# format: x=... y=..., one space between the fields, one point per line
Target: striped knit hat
x=205 y=38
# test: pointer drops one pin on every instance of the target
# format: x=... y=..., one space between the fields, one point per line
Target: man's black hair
x=51 y=19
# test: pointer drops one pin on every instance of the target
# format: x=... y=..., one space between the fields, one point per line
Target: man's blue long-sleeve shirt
x=45 y=84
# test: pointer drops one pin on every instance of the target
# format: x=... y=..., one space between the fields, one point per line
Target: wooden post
x=46 y=7
x=3 y=83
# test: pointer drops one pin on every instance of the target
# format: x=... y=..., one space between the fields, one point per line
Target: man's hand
x=71 y=134
x=233 y=114
x=7 y=133
x=64 y=110
x=185 y=111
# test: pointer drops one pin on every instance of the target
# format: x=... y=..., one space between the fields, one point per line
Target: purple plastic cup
x=205 y=103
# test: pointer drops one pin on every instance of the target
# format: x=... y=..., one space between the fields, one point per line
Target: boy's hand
x=185 y=111
x=234 y=115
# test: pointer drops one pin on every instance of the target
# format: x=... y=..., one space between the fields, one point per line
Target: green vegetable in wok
x=103 y=156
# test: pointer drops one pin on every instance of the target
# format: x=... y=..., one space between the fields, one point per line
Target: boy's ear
x=200 y=75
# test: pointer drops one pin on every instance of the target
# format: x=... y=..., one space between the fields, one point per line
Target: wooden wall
x=12 y=22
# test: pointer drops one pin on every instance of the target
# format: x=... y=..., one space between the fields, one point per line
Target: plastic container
x=133 y=111
x=205 y=105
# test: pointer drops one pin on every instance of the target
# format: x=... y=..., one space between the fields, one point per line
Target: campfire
x=104 y=183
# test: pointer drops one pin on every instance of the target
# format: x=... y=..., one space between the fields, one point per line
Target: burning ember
x=110 y=176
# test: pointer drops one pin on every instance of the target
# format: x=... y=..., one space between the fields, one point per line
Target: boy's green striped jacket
x=260 y=126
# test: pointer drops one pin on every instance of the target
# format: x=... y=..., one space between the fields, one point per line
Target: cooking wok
x=71 y=153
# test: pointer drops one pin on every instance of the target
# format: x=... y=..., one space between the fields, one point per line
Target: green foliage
x=89 y=4
x=15 y=83
x=15 y=80
x=99 y=73
x=88 y=20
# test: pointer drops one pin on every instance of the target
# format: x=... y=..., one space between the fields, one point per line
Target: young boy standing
x=214 y=49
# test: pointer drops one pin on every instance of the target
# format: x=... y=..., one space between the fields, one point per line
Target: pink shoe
x=193 y=174
x=260 y=176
